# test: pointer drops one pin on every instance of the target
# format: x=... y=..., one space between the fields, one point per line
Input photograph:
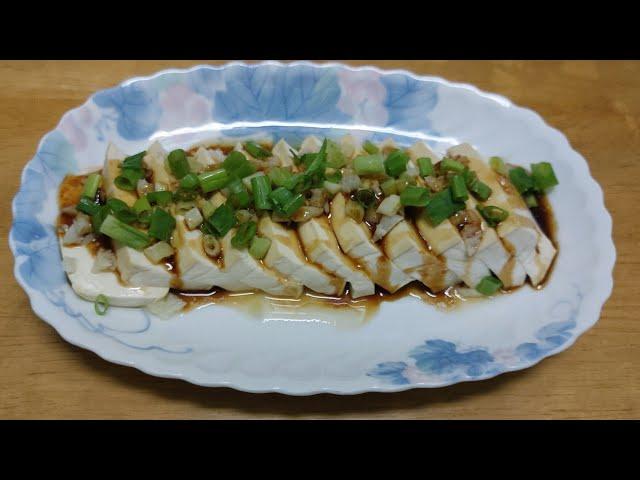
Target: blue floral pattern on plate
x=282 y=100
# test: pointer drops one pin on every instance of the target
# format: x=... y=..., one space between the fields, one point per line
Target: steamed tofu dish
x=328 y=217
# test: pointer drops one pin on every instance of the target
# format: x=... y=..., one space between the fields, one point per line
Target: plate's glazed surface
x=406 y=343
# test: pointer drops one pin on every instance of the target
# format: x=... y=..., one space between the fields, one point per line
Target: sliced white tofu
x=519 y=232
x=138 y=271
x=286 y=257
x=311 y=144
x=493 y=253
x=282 y=152
x=154 y=160
x=355 y=240
x=78 y=263
x=198 y=271
x=134 y=267
x=205 y=159
x=238 y=263
x=110 y=171
x=444 y=239
x=320 y=245
x=406 y=249
x=350 y=146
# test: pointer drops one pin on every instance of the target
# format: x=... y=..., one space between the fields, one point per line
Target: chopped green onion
x=222 y=220
x=335 y=157
x=459 y=190
x=331 y=187
x=215 y=180
x=292 y=205
x=285 y=202
x=470 y=177
x=121 y=210
x=414 y=196
x=161 y=225
x=335 y=177
x=134 y=161
x=128 y=179
x=366 y=197
x=498 y=166
x=144 y=217
x=123 y=233
x=261 y=188
x=259 y=247
x=88 y=206
x=238 y=195
x=396 y=163
x=369 y=164
x=244 y=235
x=207 y=208
x=370 y=147
x=256 y=151
x=280 y=196
x=101 y=305
x=98 y=217
x=480 y=190
x=489 y=285
x=451 y=165
x=441 y=206
x=531 y=200
x=182 y=195
x=141 y=205
x=162 y=197
x=91 y=185
x=388 y=187
x=307 y=158
x=354 y=210
x=279 y=176
x=319 y=162
x=492 y=214
x=237 y=165
x=178 y=163
x=189 y=181
x=425 y=166
x=521 y=179
x=293 y=181
x=543 y=176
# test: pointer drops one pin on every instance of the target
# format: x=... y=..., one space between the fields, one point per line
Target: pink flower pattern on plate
x=362 y=97
x=182 y=107
x=72 y=132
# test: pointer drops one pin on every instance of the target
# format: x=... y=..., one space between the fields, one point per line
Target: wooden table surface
x=596 y=104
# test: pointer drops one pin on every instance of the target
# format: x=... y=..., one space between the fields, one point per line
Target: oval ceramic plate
x=407 y=343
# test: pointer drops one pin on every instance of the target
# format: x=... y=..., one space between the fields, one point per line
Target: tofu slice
x=355 y=240
x=406 y=249
x=78 y=262
x=240 y=264
x=282 y=152
x=286 y=257
x=493 y=253
x=321 y=247
x=444 y=239
x=134 y=267
x=310 y=144
x=198 y=271
x=350 y=146
x=110 y=171
x=519 y=232
x=138 y=271
x=155 y=161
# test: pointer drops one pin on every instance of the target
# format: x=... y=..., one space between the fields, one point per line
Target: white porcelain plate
x=407 y=343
